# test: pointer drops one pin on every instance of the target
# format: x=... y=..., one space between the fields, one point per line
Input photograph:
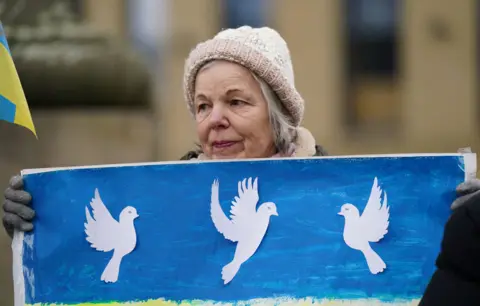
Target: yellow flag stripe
x=11 y=89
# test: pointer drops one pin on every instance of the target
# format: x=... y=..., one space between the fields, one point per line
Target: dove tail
x=374 y=261
x=110 y=274
x=229 y=271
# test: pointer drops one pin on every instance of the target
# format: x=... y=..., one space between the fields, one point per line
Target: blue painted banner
x=179 y=253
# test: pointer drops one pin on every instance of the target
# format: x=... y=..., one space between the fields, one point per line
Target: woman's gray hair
x=284 y=133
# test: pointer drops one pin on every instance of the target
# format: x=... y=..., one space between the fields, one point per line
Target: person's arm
x=457 y=279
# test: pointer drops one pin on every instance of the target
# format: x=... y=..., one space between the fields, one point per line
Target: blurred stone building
x=105 y=86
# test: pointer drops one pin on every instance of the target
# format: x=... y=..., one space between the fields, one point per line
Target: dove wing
x=102 y=229
x=223 y=225
x=375 y=216
x=244 y=207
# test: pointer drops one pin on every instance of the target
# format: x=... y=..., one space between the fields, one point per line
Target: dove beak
x=275 y=214
x=340 y=213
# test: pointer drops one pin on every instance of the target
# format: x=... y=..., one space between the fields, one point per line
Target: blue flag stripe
x=7 y=110
x=3 y=39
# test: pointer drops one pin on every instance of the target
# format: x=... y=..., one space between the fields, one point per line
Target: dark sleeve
x=190 y=155
x=448 y=289
x=457 y=279
x=320 y=151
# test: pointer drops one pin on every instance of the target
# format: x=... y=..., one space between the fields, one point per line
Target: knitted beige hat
x=262 y=51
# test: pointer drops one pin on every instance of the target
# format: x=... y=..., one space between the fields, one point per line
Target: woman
x=239 y=87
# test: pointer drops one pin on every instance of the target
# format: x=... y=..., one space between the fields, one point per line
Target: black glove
x=17 y=212
x=465 y=191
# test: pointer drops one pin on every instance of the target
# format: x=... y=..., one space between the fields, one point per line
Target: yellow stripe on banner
x=11 y=88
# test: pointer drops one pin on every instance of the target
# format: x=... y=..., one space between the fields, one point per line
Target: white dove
x=372 y=226
x=247 y=225
x=106 y=234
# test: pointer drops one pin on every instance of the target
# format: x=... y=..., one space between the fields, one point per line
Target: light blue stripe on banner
x=3 y=39
x=7 y=110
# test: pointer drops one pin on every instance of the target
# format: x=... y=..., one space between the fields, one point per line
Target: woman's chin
x=230 y=152
x=227 y=156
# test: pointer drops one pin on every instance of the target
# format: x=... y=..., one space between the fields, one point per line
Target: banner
x=353 y=230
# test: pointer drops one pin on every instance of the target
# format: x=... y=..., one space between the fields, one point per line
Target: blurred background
x=103 y=78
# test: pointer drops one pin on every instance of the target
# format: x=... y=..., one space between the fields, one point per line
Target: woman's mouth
x=223 y=144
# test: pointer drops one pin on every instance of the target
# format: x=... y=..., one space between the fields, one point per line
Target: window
x=25 y=12
x=63 y=64
x=237 y=13
x=147 y=25
x=371 y=63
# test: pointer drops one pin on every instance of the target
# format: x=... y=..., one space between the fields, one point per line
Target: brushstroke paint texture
x=180 y=255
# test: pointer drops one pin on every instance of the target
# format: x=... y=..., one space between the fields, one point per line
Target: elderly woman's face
x=232 y=113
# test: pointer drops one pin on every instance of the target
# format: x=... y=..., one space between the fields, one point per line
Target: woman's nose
x=218 y=116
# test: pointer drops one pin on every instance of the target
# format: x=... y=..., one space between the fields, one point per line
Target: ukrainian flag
x=13 y=104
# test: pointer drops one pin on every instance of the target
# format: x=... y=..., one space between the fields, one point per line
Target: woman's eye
x=202 y=107
x=236 y=102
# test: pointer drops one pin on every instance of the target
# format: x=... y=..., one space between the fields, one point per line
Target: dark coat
x=456 y=282
x=457 y=279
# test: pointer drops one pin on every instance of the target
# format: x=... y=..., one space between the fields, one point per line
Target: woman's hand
x=17 y=212
x=465 y=191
